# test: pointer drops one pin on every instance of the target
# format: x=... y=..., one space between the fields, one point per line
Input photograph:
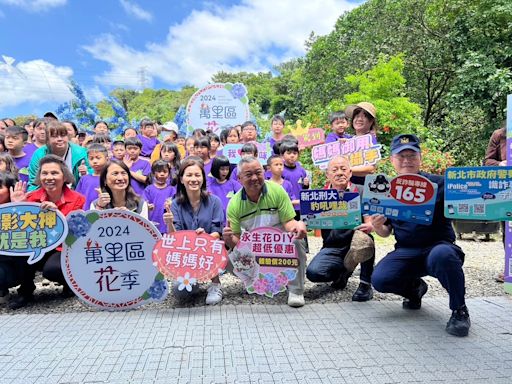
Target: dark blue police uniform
x=422 y=250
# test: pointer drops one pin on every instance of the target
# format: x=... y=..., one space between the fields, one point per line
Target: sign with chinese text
x=330 y=209
x=232 y=152
x=408 y=197
x=508 y=224
x=265 y=259
x=29 y=231
x=107 y=259
x=217 y=106
x=361 y=150
x=313 y=136
x=478 y=193
x=189 y=258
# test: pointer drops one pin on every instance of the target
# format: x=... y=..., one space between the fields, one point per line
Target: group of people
x=187 y=184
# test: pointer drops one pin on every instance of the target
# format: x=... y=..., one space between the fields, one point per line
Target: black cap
x=405 y=141
x=51 y=115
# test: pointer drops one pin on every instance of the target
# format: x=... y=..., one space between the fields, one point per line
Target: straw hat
x=368 y=107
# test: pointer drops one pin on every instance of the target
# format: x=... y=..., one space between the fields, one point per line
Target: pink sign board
x=189 y=258
x=265 y=259
x=312 y=137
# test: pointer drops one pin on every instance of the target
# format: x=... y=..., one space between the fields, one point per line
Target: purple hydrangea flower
x=78 y=224
x=157 y=289
x=238 y=91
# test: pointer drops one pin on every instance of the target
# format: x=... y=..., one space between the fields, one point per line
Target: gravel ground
x=484 y=259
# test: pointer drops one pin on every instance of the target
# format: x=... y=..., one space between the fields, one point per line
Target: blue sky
x=107 y=44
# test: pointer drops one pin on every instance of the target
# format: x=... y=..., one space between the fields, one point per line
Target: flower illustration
x=260 y=286
x=78 y=224
x=282 y=279
x=157 y=289
x=186 y=282
x=238 y=91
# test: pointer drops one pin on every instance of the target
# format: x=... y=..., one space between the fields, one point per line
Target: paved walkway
x=374 y=342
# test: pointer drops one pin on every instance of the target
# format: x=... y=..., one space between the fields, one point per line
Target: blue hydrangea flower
x=238 y=91
x=157 y=289
x=270 y=277
x=78 y=224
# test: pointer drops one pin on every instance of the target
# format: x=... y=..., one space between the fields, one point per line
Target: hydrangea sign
x=217 y=106
x=265 y=259
x=408 y=197
x=478 y=193
x=189 y=258
x=107 y=259
x=29 y=231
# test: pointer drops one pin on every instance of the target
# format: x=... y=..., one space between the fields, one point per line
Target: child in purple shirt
x=140 y=169
x=202 y=148
x=15 y=140
x=293 y=171
x=158 y=192
x=339 y=123
x=89 y=185
x=147 y=137
x=248 y=149
x=275 y=168
x=220 y=184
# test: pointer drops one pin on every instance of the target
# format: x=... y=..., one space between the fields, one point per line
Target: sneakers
x=4 y=296
x=214 y=295
x=414 y=302
x=459 y=322
x=296 y=300
x=341 y=282
x=362 y=248
x=363 y=293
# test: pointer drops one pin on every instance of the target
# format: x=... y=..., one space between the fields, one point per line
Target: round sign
x=107 y=261
x=217 y=106
x=412 y=189
x=188 y=257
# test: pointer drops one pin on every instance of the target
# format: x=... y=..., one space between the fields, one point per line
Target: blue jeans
x=327 y=266
x=398 y=272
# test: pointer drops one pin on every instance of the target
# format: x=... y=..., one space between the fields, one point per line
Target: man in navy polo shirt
x=421 y=250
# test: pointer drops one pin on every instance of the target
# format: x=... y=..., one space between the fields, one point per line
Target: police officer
x=421 y=250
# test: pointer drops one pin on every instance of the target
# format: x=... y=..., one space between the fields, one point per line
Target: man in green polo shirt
x=265 y=204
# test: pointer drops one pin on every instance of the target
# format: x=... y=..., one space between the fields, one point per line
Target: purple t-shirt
x=87 y=186
x=22 y=164
x=223 y=191
x=157 y=196
x=333 y=136
x=143 y=167
x=29 y=149
x=295 y=175
x=148 y=145
x=208 y=168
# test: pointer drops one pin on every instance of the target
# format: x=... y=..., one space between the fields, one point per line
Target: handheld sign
x=481 y=193
x=408 y=197
x=313 y=136
x=265 y=259
x=233 y=151
x=107 y=259
x=216 y=106
x=330 y=209
x=189 y=258
x=29 y=231
x=361 y=150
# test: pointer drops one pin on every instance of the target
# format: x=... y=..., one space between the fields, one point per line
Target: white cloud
x=35 y=5
x=34 y=81
x=252 y=36
x=136 y=11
